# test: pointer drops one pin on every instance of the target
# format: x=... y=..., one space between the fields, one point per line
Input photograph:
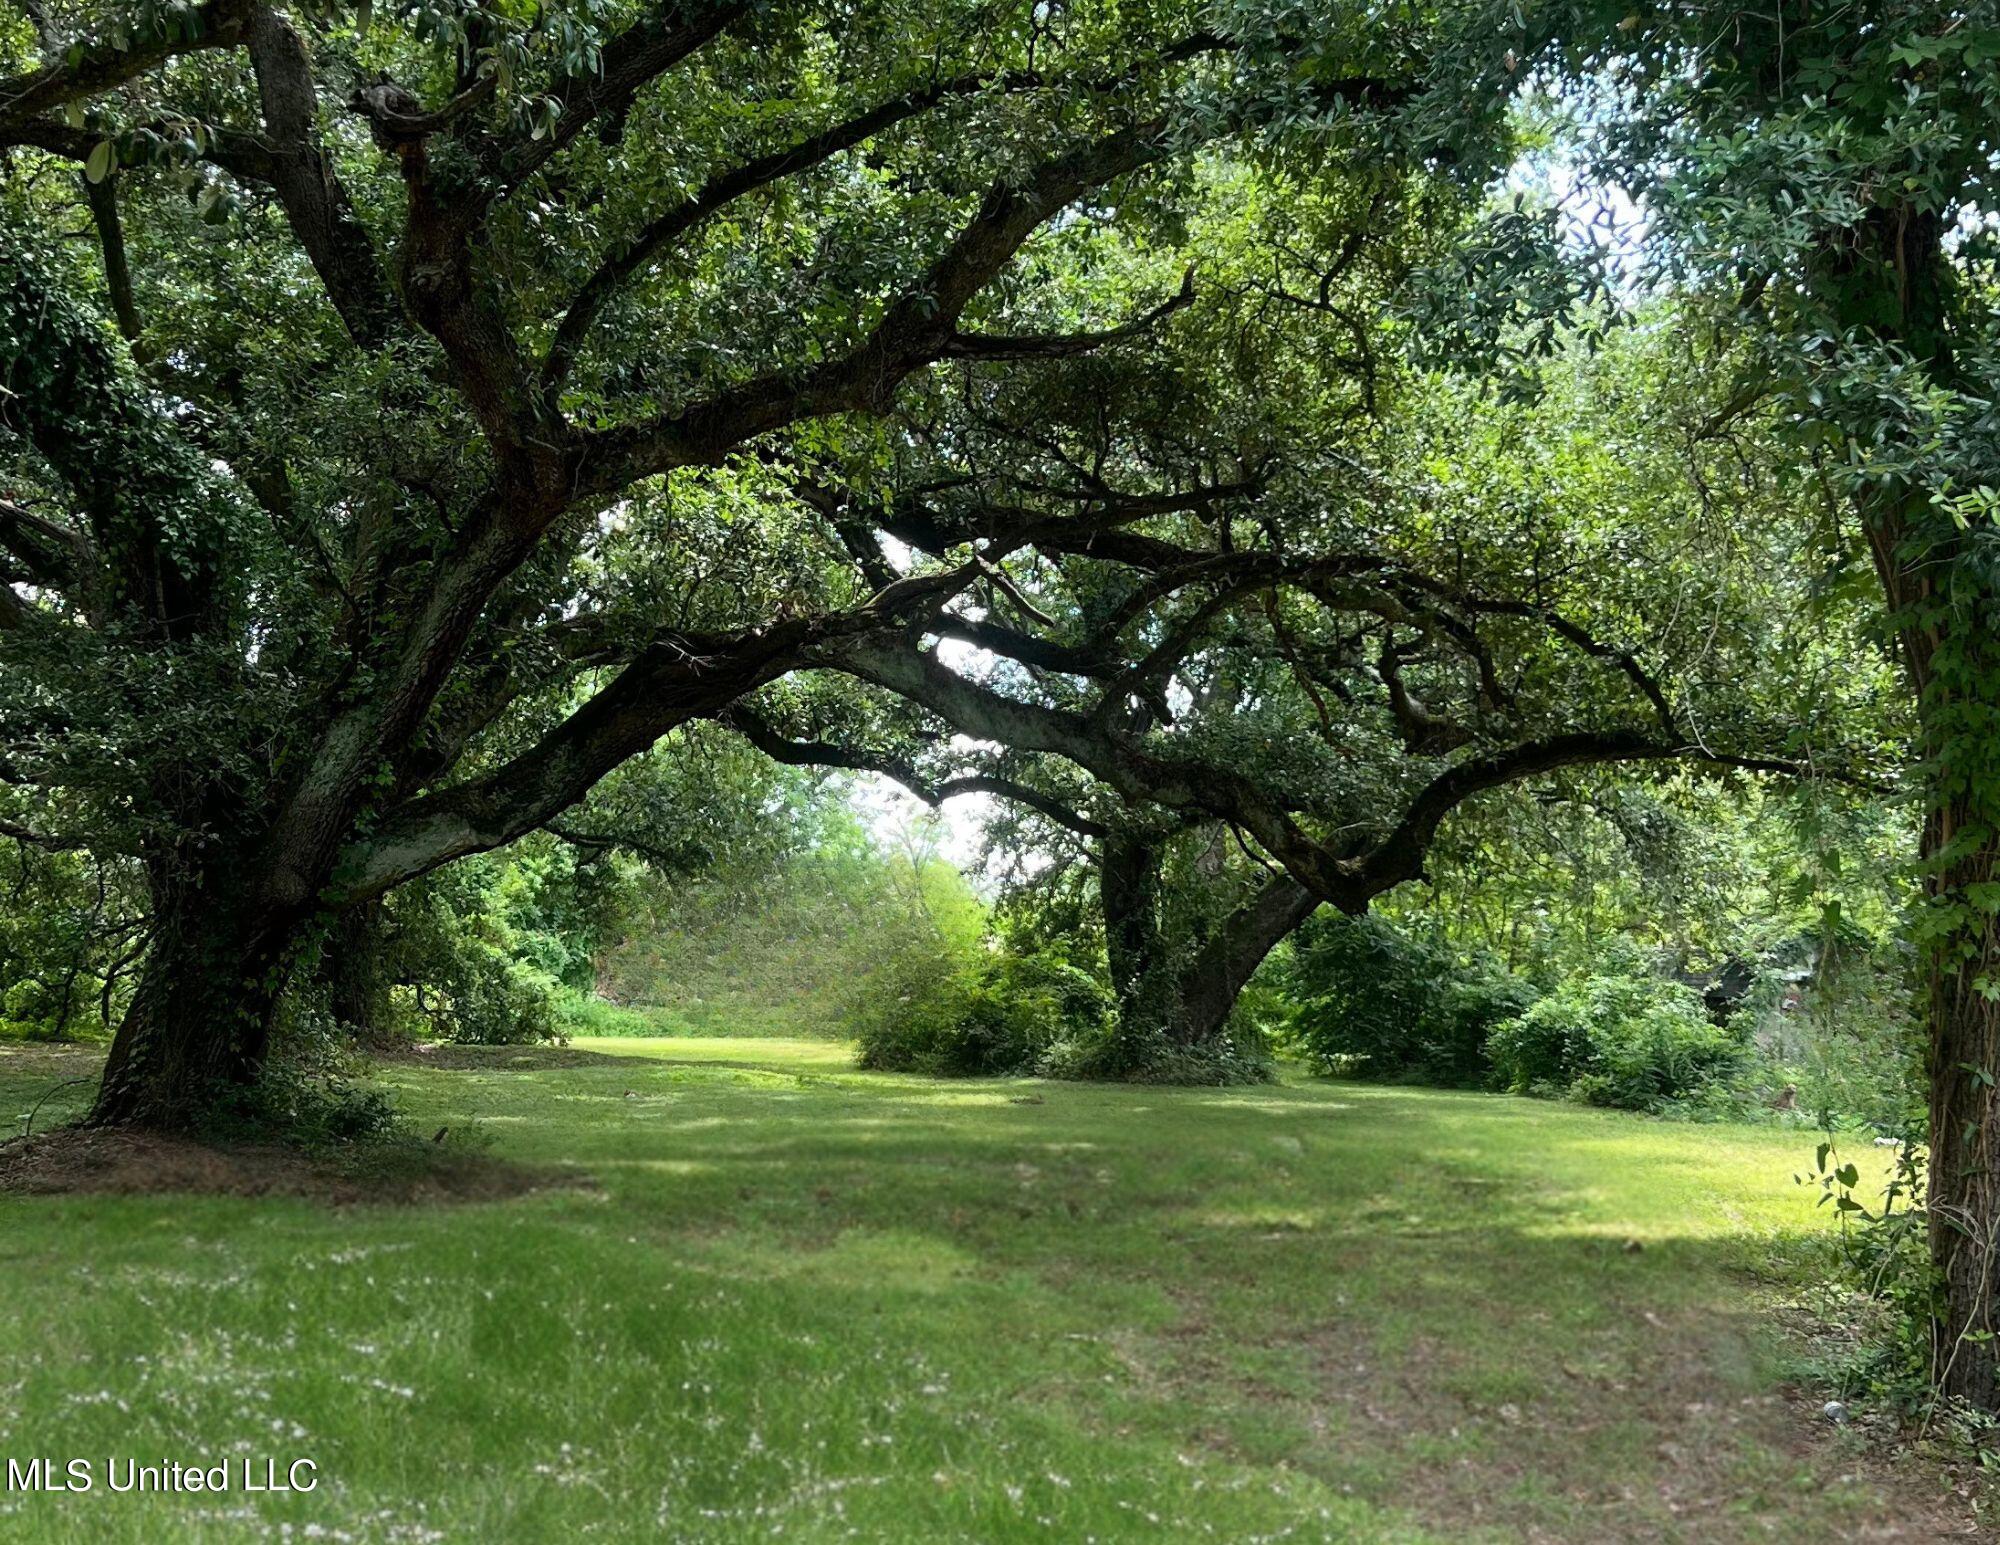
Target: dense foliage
x=1672 y=948
x=1005 y=1014
x=1367 y=998
x=71 y=932
x=1614 y=1039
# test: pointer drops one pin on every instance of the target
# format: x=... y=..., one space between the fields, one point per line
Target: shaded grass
x=810 y=1303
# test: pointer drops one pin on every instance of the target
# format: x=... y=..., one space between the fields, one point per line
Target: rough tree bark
x=200 y=1019
x=1182 y=992
x=1960 y=857
x=1128 y=875
x=1964 y=1178
x=1893 y=278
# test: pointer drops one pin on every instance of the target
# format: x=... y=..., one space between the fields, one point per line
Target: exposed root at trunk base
x=98 y=1161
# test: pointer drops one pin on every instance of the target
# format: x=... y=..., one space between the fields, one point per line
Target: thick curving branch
x=316 y=205
x=627 y=64
x=668 y=684
x=916 y=330
x=759 y=731
x=1173 y=783
x=999 y=346
x=47 y=552
x=104 y=66
x=1347 y=877
x=670 y=225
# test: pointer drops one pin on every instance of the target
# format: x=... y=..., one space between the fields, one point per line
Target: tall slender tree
x=1824 y=173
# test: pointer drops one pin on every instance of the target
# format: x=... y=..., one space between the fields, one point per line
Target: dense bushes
x=1006 y=1014
x=481 y=994
x=1629 y=1040
x=490 y=950
x=1370 y=999
x=889 y=946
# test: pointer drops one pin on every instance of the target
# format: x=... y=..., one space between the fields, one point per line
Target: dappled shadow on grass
x=778 y=1057
x=52 y=1156
x=1490 y=1314
x=45 y=1083
x=1332 y=1312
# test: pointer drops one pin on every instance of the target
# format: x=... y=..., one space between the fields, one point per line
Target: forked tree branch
x=915 y=330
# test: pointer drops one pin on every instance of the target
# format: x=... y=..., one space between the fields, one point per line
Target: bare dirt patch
x=1529 y=1471
x=81 y=1161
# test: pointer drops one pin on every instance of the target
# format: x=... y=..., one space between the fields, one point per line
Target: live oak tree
x=1278 y=674
x=472 y=401
x=455 y=348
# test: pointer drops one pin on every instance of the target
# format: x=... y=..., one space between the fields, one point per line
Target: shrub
x=1370 y=999
x=1125 y=1054
x=308 y=1096
x=330 y=1113
x=1628 y=1040
x=997 y=1016
x=481 y=995
x=33 y=1011
x=587 y=1015
x=301 y=1110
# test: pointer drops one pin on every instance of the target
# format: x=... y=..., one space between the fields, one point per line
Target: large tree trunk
x=1128 y=887
x=1952 y=656
x=1183 y=993
x=1964 y=1178
x=1951 y=653
x=199 y=1024
x=355 y=972
x=1893 y=280
x=1207 y=984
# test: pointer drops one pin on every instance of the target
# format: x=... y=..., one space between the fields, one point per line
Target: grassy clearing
x=808 y=1303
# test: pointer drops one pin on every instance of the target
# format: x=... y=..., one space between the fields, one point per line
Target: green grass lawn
x=802 y=1302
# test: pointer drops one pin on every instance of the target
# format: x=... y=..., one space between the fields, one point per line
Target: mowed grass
x=806 y=1303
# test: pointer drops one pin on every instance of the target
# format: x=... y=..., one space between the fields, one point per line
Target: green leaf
x=103 y=161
